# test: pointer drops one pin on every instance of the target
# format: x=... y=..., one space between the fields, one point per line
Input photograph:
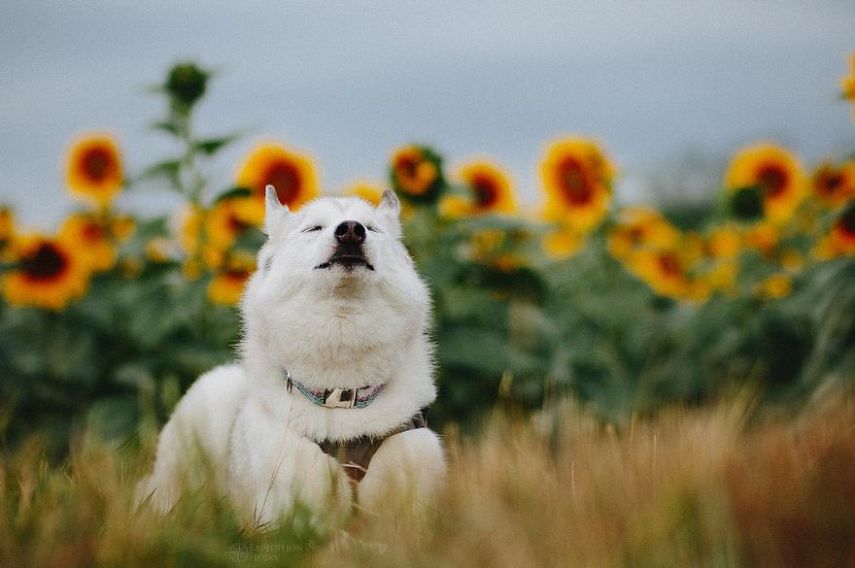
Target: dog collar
x=337 y=397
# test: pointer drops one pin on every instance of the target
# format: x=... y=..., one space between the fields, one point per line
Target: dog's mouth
x=348 y=260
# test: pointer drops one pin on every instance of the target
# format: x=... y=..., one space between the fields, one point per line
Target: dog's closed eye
x=312 y=229
x=373 y=229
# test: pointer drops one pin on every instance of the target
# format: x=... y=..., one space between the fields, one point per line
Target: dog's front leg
x=405 y=473
x=281 y=474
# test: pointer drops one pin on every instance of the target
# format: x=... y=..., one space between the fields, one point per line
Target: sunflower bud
x=186 y=84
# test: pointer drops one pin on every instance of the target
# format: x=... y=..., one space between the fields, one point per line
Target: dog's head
x=341 y=241
x=334 y=286
x=334 y=272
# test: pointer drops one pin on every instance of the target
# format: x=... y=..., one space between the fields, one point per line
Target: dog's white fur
x=329 y=328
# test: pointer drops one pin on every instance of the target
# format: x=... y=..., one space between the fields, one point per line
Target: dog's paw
x=405 y=473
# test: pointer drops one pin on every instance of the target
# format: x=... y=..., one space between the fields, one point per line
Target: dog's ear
x=390 y=209
x=274 y=212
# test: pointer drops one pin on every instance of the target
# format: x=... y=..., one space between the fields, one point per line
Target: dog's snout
x=350 y=232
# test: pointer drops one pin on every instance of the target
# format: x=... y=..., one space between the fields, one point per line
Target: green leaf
x=166 y=126
x=169 y=169
x=235 y=192
x=211 y=146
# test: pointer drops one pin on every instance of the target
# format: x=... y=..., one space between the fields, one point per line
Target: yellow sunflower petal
x=230 y=218
x=227 y=286
x=370 y=192
x=455 y=207
x=563 y=243
x=641 y=227
x=774 y=287
x=724 y=242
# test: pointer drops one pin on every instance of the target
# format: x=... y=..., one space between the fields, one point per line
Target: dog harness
x=355 y=454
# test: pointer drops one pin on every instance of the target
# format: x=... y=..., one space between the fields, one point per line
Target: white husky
x=324 y=406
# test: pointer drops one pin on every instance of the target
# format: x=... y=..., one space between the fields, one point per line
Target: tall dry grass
x=725 y=485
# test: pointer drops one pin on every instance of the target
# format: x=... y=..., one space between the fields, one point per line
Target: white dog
x=324 y=407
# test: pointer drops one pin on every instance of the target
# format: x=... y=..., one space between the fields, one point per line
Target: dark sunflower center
x=669 y=264
x=574 y=182
x=286 y=179
x=847 y=222
x=772 y=179
x=96 y=164
x=47 y=263
x=636 y=234
x=408 y=166
x=830 y=182
x=236 y=224
x=486 y=191
x=236 y=274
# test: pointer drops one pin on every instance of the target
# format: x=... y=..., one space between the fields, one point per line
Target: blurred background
x=670 y=88
x=634 y=204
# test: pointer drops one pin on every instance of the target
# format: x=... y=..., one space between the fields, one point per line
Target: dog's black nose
x=350 y=232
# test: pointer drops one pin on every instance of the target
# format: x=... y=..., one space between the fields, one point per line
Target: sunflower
x=158 y=250
x=640 y=227
x=670 y=271
x=847 y=84
x=663 y=270
x=416 y=173
x=768 y=174
x=92 y=239
x=7 y=232
x=722 y=275
x=792 y=261
x=93 y=169
x=454 y=207
x=563 y=243
x=762 y=237
x=489 y=187
x=724 y=243
x=227 y=286
x=292 y=174
x=122 y=227
x=840 y=240
x=48 y=273
x=190 y=229
x=230 y=218
x=834 y=185
x=370 y=192
x=577 y=179
x=774 y=287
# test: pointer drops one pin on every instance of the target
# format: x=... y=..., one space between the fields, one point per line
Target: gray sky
x=348 y=82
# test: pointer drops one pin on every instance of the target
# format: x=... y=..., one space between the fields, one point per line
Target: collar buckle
x=340 y=398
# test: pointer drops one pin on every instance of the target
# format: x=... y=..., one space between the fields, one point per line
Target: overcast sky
x=347 y=82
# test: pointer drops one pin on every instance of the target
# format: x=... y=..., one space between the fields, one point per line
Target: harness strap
x=354 y=455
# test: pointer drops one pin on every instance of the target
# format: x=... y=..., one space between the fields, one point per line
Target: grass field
x=722 y=485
